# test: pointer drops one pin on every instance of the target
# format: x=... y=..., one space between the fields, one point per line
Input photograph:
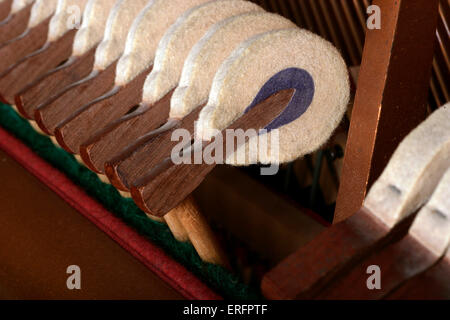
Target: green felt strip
x=218 y=278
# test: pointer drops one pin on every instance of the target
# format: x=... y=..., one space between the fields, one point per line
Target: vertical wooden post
x=391 y=97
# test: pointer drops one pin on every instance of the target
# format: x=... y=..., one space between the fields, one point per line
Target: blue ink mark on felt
x=292 y=78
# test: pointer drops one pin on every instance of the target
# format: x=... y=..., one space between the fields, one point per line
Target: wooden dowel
x=175 y=225
x=200 y=233
x=127 y=195
x=171 y=219
x=187 y=224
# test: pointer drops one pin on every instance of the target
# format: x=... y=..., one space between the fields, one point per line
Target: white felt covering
x=432 y=224
x=413 y=171
x=119 y=23
x=93 y=25
x=59 y=23
x=41 y=10
x=18 y=5
x=145 y=34
x=211 y=51
x=174 y=47
x=250 y=66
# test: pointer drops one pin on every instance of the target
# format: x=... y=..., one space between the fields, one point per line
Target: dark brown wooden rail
x=43 y=88
x=30 y=41
x=63 y=105
x=123 y=133
x=94 y=116
x=29 y=68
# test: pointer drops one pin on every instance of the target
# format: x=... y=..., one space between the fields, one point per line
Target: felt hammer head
x=432 y=225
x=18 y=5
x=41 y=10
x=271 y=62
x=93 y=25
x=209 y=53
x=413 y=171
x=145 y=34
x=119 y=23
x=179 y=39
x=59 y=24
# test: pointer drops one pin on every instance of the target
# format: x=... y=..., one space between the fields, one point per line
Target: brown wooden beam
x=391 y=97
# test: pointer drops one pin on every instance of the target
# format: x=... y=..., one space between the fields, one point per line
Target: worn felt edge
x=225 y=283
x=19 y=5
